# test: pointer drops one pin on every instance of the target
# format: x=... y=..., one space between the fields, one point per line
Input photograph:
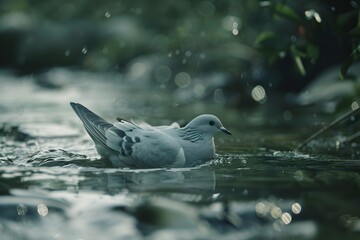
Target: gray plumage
x=127 y=144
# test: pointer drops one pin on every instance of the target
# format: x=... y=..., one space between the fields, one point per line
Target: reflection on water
x=235 y=201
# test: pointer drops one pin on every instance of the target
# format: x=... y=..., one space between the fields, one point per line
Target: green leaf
x=347 y=64
x=287 y=12
x=355 y=32
x=312 y=51
x=299 y=65
x=297 y=56
x=296 y=52
x=343 y=19
x=264 y=37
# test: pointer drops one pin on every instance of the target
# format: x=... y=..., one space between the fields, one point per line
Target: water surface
x=54 y=185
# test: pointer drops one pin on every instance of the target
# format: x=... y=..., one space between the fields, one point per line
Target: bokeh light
x=286 y=218
x=296 y=208
x=42 y=209
x=182 y=79
x=258 y=94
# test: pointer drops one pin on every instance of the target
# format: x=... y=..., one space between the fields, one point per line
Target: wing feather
x=94 y=125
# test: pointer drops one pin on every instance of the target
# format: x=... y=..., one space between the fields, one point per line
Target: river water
x=53 y=185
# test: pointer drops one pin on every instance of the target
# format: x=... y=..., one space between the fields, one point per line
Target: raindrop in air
x=42 y=209
x=296 y=208
x=312 y=14
x=84 y=50
x=182 y=79
x=354 y=106
x=286 y=218
x=107 y=14
x=258 y=94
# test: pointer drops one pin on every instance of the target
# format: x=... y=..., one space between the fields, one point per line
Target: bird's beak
x=225 y=130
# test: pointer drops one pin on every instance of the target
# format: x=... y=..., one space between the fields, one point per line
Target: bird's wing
x=174 y=125
x=122 y=137
x=158 y=149
x=94 y=125
x=147 y=147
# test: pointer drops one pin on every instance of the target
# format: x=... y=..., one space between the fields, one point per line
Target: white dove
x=127 y=144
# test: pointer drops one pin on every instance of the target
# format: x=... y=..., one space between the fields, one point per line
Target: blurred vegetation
x=282 y=45
x=149 y=27
x=313 y=35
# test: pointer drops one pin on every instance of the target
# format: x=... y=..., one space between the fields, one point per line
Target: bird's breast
x=198 y=152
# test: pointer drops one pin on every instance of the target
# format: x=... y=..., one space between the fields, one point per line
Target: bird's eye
x=211 y=123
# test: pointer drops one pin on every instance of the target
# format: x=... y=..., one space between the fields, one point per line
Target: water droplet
x=261 y=208
x=276 y=212
x=354 y=106
x=235 y=32
x=42 y=209
x=182 y=79
x=277 y=225
x=286 y=218
x=199 y=90
x=337 y=144
x=162 y=74
x=282 y=54
x=258 y=94
x=32 y=143
x=107 y=14
x=296 y=208
x=138 y=69
x=84 y=50
x=188 y=53
x=231 y=23
x=312 y=14
x=215 y=195
x=67 y=53
x=265 y=3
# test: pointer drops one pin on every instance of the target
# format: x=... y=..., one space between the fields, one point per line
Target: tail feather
x=94 y=125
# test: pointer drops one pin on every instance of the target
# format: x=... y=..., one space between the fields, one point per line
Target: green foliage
x=354 y=56
x=312 y=29
x=286 y=12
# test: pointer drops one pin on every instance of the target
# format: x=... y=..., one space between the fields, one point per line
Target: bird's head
x=207 y=124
